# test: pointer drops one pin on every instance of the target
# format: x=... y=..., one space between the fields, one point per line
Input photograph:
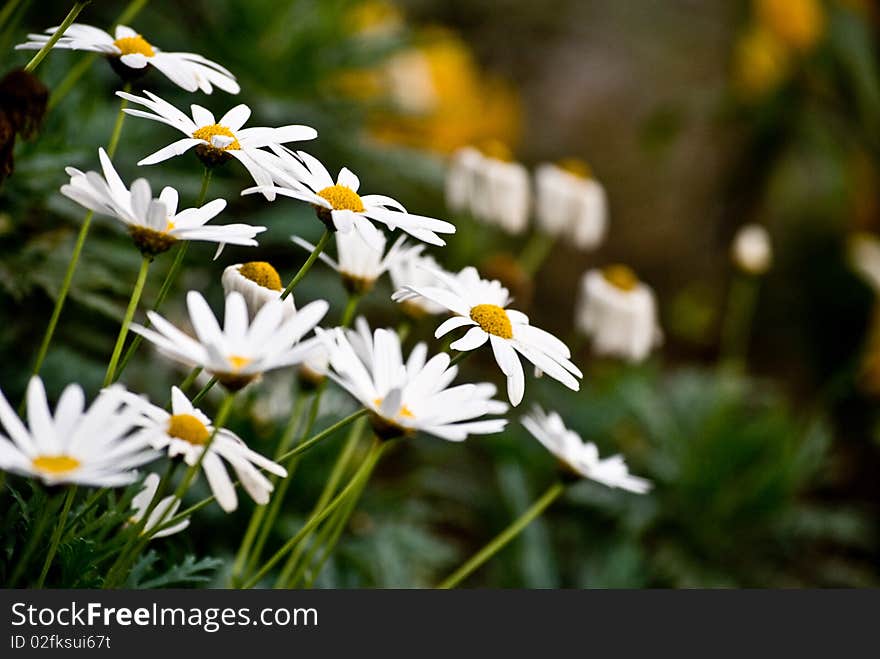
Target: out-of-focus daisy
x=259 y=282
x=186 y=432
x=339 y=205
x=799 y=24
x=217 y=141
x=751 y=249
x=162 y=511
x=481 y=305
x=581 y=457
x=491 y=186
x=415 y=269
x=129 y=54
x=405 y=397
x=864 y=257
x=241 y=351
x=154 y=224
x=91 y=446
x=570 y=203
x=312 y=369
x=359 y=264
x=618 y=312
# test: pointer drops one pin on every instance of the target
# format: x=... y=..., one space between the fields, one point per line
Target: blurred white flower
x=154 y=224
x=134 y=53
x=491 y=186
x=259 y=283
x=415 y=269
x=161 y=513
x=217 y=141
x=618 y=312
x=570 y=203
x=411 y=396
x=359 y=264
x=751 y=249
x=581 y=457
x=864 y=256
x=480 y=304
x=339 y=205
x=91 y=446
x=241 y=351
x=186 y=431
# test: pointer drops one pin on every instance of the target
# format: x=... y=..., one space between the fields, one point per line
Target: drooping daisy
x=751 y=249
x=217 y=141
x=618 y=312
x=491 y=186
x=259 y=282
x=161 y=513
x=359 y=264
x=414 y=269
x=154 y=223
x=241 y=351
x=186 y=432
x=338 y=203
x=581 y=457
x=481 y=305
x=570 y=203
x=129 y=54
x=91 y=446
x=405 y=397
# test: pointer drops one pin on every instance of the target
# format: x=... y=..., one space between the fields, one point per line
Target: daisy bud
x=570 y=203
x=751 y=250
x=259 y=283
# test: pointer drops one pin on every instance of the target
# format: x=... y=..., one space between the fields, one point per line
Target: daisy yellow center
x=576 y=167
x=403 y=412
x=238 y=362
x=135 y=45
x=621 y=277
x=262 y=274
x=188 y=428
x=208 y=133
x=497 y=150
x=342 y=198
x=55 y=465
x=169 y=226
x=492 y=319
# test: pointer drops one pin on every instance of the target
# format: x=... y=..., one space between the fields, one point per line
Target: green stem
x=204 y=390
x=535 y=252
x=7 y=10
x=309 y=443
x=113 y=144
x=350 y=309
x=30 y=548
x=41 y=54
x=735 y=331
x=335 y=526
x=372 y=458
x=56 y=535
x=110 y=375
x=325 y=238
x=508 y=534
x=460 y=357
x=189 y=379
x=74 y=258
x=77 y=71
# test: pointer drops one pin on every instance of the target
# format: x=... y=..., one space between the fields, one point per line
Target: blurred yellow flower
x=760 y=63
x=374 y=18
x=799 y=24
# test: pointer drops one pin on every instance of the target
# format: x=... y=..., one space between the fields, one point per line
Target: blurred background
x=697 y=116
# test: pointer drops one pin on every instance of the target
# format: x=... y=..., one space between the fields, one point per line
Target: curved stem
x=41 y=54
x=309 y=443
x=56 y=535
x=136 y=293
x=322 y=243
x=504 y=537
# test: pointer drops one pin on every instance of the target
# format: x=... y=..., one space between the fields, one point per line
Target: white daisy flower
x=161 y=513
x=154 y=223
x=340 y=206
x=415 y=269
x=359 y=264
x=129 y=54
x=259 y=282
x=619 y=313
x=186 y=431
x=91 y=446
x=570 y=203
x=481 y=305
x=241 y=351
x=581 y=457
x=407 y=397
x=491 y=186
x=751 y=249
x=313 y=367
x=217 y=141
